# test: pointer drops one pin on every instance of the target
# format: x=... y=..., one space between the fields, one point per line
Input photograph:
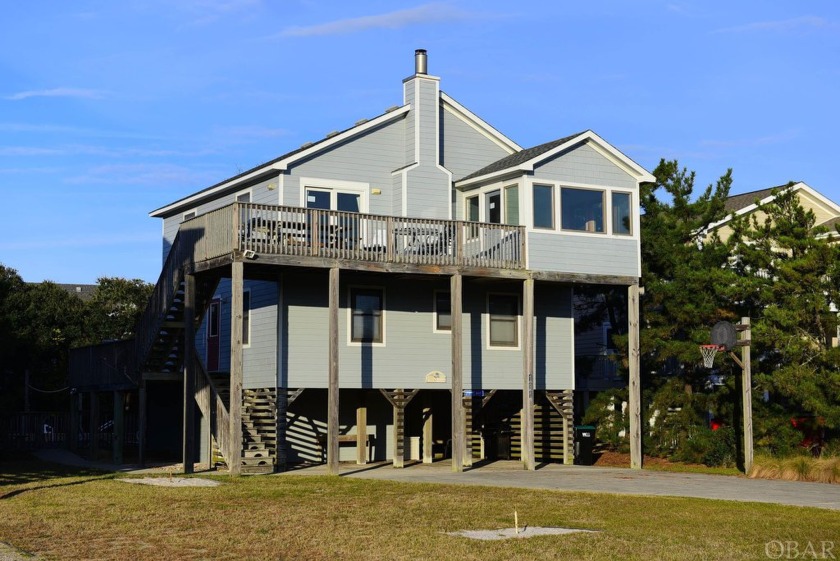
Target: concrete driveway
x=603 y=480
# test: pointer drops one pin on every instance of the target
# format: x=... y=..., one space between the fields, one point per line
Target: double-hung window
x=366 y=323
x=503 y=312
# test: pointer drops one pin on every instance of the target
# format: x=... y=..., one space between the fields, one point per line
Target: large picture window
x=366 y=308
x=621 y=217
x=582 y=209
x=543 y=206
x=503 y=312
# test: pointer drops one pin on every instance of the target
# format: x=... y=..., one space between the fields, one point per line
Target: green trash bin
x=584 y=445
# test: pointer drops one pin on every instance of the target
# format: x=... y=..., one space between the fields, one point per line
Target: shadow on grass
x=27 y=470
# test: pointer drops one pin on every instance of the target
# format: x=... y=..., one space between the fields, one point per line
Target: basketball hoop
x=709 y=352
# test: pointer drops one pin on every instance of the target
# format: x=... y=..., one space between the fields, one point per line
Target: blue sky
x=109 y=110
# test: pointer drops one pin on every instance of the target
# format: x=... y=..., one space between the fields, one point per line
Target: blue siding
x=463 y=148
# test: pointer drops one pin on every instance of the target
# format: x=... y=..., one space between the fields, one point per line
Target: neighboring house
x=595 y=368
x=402 y=289
x=826 y=212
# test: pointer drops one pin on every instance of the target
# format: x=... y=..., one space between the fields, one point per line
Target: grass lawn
x=64 y=514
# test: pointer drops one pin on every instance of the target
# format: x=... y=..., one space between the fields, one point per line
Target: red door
x=214 y=320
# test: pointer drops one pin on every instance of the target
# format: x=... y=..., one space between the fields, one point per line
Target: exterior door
x=214 y=324
x=494 y=207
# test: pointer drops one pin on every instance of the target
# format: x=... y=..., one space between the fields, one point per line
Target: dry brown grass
x=797 y=468
x=89 y=516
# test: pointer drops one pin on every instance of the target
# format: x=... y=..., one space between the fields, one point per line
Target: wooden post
x=236 y=366
x=635 y=385
x=26 y=391
x=428 y=442
x=458 y=432
x=141 y=424
x=332 y=393
x=188 y=441
x=361 y=434
x=527 y=444
x=746 y=337
x=119 y=428
x=94 y=424
x=205 y=430
x=75 y=408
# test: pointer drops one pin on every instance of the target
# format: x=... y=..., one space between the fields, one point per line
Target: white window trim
x=633 y=218
x=518 y=345
x=435 y=312
x=555 y=198
x=350 y=341
x=526 y=209
x=334 y=186
x=244 y=192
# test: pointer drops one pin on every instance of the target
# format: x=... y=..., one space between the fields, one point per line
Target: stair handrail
x=220 y=422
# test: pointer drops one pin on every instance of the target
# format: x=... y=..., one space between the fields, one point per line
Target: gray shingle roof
x=737 y=202
x=521 y=157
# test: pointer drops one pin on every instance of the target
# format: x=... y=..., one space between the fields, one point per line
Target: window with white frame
x=366 y=309
x=243 y=197
x=512 y=205
x=622 y=219
x=543 y=199
x=582 y=209
x=443 y=310
x=503 y=320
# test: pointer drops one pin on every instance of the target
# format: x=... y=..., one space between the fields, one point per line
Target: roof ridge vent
x=307 y=144
x=360 y=122
x=332 y=134
x=392 y=108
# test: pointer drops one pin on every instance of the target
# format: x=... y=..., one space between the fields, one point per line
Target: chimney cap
x=420 y=61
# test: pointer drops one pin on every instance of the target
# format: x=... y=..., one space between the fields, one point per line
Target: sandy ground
x=508 y=533
x=172 y=481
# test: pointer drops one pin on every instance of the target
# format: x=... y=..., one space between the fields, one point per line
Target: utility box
x=584 y=445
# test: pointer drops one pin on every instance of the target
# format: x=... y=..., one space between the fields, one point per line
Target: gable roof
x=735 y=203
x=282 y=162
x=745 y=203
x=527 y=159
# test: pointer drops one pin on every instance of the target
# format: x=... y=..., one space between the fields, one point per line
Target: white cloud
x=795 y=24
x=424 y=14
x=58 y=92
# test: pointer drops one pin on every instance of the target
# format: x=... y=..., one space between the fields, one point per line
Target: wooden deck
x=266 y=230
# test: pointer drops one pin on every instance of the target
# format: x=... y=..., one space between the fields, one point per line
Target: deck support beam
x=332 y=393
x=188 y=442
x=142 y=403
x=236 y=368
x=428 y=435
x=399 y=400
x=458 y=430
x=528 y=374
x=361 y=434
x=119 y=428
x=94 y=424
x=635 y=385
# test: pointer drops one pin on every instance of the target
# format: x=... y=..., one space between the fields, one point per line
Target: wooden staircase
x=259 y=430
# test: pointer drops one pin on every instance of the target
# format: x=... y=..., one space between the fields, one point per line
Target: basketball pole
x=746 y=389
x=746 y=335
